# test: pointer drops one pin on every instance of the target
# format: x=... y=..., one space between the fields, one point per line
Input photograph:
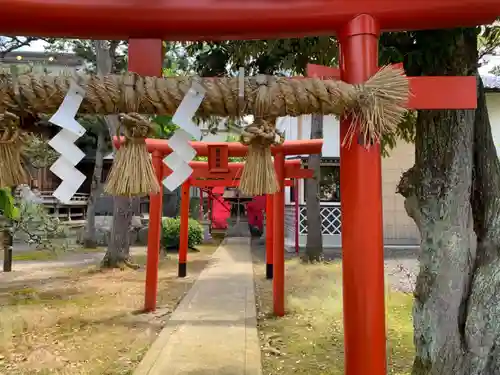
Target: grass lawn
x=86 y=321
x=309 y=339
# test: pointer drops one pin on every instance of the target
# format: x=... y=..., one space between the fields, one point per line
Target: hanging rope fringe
x=259 y=176
x=375 y=107
x=12 y=171
x=132 y=173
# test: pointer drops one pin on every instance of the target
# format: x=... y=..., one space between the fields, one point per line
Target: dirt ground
x=81 y=320
x=309 y=339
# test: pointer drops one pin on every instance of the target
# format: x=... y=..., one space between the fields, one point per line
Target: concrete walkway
x=213 y=330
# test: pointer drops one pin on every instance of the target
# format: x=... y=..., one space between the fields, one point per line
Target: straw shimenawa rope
x=12 y=172
x=132 y=173
x=376 y=106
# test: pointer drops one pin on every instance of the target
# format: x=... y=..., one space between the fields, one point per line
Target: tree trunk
x=6 y=242
x=118 y=251
x=452 y=193
x=314 y=245
x=89 y=238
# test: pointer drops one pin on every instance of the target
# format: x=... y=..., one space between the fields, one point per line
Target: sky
x=492 y=61
x=37 y=46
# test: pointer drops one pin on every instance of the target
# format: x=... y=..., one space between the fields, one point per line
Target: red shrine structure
x=204 y=176
x=219 y=205
x=358 y=24
x=222 y=173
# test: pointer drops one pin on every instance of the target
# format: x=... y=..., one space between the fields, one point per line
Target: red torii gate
x=203 y=177
x=358 y=24
x=159 y=148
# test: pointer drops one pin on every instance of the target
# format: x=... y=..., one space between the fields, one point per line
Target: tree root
x=120 y=263
x=131 y=265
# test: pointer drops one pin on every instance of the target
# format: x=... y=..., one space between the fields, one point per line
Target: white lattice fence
x=331 y=223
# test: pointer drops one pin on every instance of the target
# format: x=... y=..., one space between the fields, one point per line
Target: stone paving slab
x=213 y=331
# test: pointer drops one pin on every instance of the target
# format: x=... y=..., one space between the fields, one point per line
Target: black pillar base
x=182 y=270
x=269 y=271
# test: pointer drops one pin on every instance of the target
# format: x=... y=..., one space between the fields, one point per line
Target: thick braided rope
x=132 y=93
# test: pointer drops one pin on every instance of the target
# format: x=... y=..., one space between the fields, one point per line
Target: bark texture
x=89 y=239
x=118 y=252
x=452 y=194
x=314 y=245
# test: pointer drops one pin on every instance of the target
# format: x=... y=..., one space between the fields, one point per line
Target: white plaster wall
x=493 y=103
x=296 y=128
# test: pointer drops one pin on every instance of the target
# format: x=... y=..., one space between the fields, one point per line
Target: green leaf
x=164 y=127
x=7 y=204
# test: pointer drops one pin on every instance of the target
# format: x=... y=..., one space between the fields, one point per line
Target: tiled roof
x=491 y=82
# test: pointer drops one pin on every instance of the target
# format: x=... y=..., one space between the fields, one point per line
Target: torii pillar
x=146 y=58
x=361 y=195
x=362 y=224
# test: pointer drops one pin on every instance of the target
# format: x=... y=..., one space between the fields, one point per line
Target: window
x=329 y=184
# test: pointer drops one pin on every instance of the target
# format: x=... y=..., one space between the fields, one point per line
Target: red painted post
x=362 y=237
x=279 y=238
x=145 y=57
x=154 y=234
x=210 y=207
x=269 y=235
x=201 y=205
x=296 y=196
x=184 y=231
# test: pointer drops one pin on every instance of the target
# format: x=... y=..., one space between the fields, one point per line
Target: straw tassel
x=132 y=173
x=259 y=175
x=12 y=172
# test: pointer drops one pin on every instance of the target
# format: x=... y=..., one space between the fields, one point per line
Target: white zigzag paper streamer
x=64 y=144
x=182 y=152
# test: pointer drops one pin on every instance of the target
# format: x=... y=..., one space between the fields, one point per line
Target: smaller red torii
x=200 y=170
x=159 y=148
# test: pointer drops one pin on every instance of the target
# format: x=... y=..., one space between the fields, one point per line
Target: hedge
x=170 y=232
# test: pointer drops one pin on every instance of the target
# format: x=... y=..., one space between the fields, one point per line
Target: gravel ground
x=401 y=267
x=401 y=273
x=401 y=264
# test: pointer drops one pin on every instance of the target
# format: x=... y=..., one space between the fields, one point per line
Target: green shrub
x=170 y=231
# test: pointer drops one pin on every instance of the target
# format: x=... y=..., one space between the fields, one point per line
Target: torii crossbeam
x=231 y=19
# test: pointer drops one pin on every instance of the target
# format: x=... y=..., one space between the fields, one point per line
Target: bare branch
x=10 y=44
